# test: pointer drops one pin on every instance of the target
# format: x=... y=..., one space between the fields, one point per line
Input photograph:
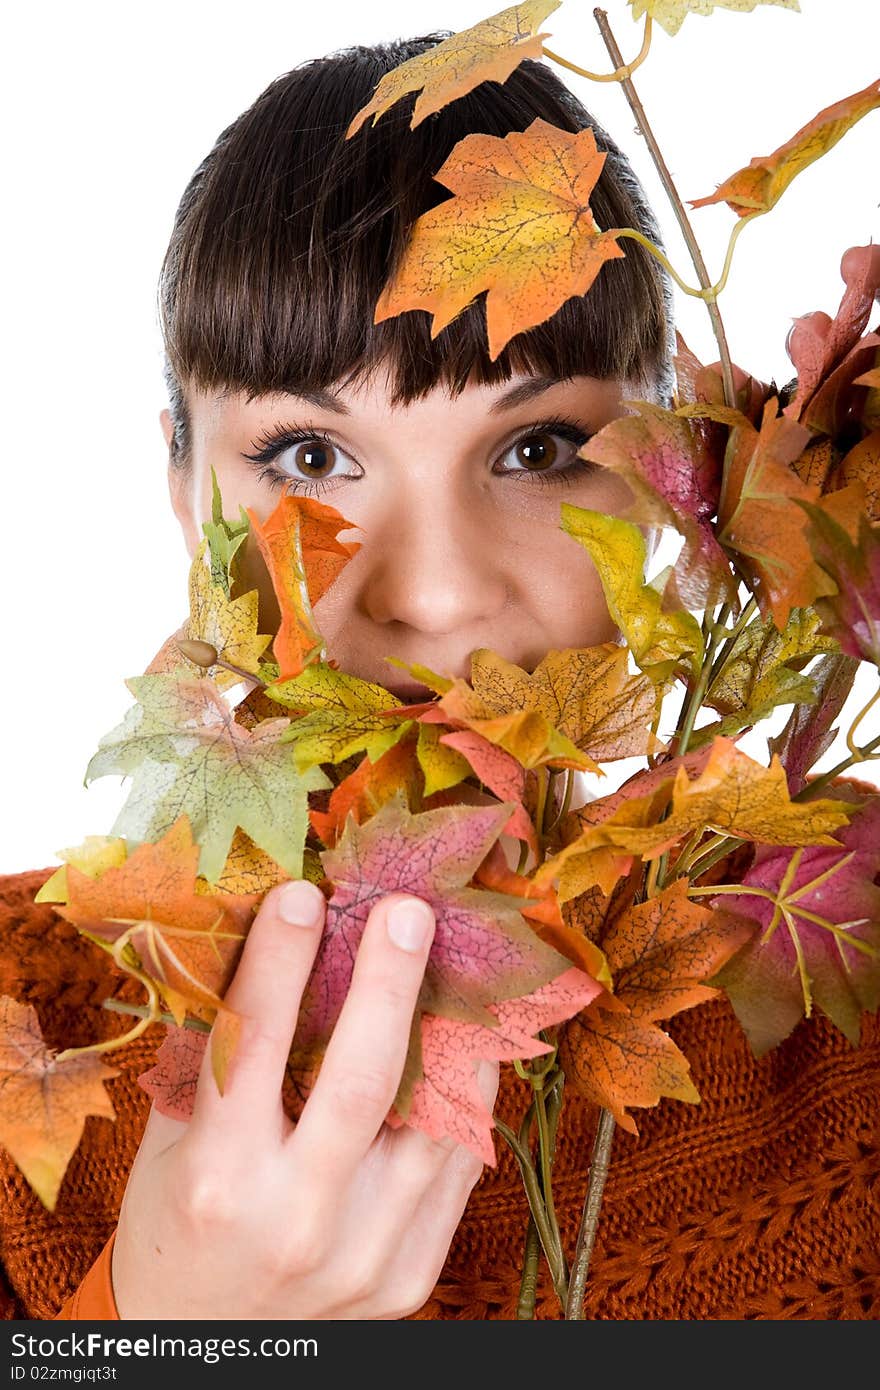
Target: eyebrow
x=517 y=395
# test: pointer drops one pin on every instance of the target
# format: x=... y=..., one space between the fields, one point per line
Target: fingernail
x=301 y=904
x=410 y=924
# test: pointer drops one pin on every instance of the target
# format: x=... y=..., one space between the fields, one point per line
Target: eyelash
x=272 y=443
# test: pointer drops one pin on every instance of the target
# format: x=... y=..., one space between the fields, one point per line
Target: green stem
x=730 y=640
x=599 y=1162
x=856 y=753
x=655 y=251
x=677 y=206
x=866 y=752
x=532 y=1187
x=620 y=72
x=198 y=1025
x=147 y=1014
x=559 y=1267
x=716 y=850
x=528 y=1289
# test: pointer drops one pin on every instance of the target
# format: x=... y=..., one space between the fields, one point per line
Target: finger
x=364 y=1060
x=410 y=1164
x=266 y=993
x=424 y=1246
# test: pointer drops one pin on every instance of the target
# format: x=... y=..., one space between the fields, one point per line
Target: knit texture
x=761 y=1202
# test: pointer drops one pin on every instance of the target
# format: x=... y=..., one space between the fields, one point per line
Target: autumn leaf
x=423 y=674
x=172 y=1080
x=861 y=465
x=661 y=643
x=446 y=1100
x=733 y=795
x=527 y=735
x=540 y=907
x=303 y=556
x=759 y=521
x=228 y=625
x=818 y=910
x=852 y=614
x=187 y=941
x=93 y=856
x=764 y=670
x=519 y=227
x=442 y=765
x=482 y=951
x=188 y=755
x=827 y=353
x=225 y=538
x=672 y=13
x=486 y=52
x=586 y=693
x=759 y=187
x=501 y=772
x=43 y=1101
x=660 y=953
x=810 y=730
x=364 y=791
x=676 y=482
x=249 y=869
x=342 y=715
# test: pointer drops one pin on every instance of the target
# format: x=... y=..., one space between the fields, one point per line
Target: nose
x=435 y=565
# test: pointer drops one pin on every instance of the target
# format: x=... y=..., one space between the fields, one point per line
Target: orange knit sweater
x=761 y=1202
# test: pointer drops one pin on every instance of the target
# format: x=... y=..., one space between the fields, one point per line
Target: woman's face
x=456 y=503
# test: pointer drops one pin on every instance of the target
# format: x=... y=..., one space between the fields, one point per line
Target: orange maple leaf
x=520 y=227
x=759 y=187
x=660 y=952
x=299 y=545
x=44 y=1099
x=188 y=942
x=370 y=786
x=758 y=517
x=543 y=912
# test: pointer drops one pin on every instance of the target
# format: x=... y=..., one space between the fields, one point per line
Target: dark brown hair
x=287 y=233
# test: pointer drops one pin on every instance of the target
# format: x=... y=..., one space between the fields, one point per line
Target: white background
x=108 y=109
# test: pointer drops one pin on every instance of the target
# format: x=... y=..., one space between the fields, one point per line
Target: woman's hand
x=239 y=1214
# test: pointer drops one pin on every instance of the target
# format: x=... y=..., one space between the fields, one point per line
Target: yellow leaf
x=488 y=51
x=229 y=625
x=225 y=1034
x=586 y=693
x=660 y=642
x=92 y=857
x=672 y=13
x=733 y=795
x=442 y=766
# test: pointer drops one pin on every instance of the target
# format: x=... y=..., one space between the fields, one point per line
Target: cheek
x=566 y=596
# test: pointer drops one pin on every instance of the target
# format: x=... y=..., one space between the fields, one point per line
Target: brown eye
x=314 y=459
x=536 y=452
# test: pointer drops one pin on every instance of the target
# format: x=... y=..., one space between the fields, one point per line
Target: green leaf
x=186 y=753
x=661 y=643
x=224 y=539
x=343 y=716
